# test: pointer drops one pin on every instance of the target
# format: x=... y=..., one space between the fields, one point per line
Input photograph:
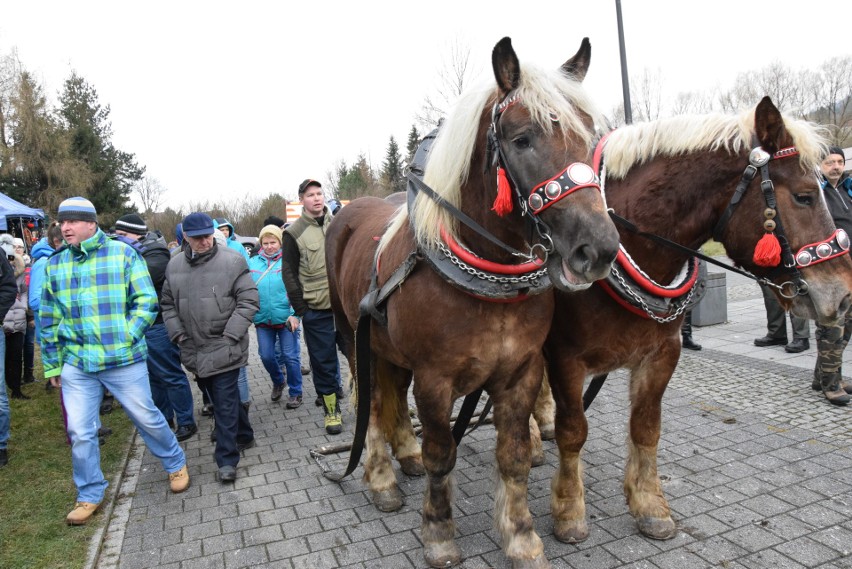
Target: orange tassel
x=503 y=203
x=767 y=253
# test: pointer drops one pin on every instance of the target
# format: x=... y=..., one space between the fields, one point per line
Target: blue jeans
x=242 y=384
x=267 y=341
x=82 y=393
x=4 y=397
x=320 y=337
x=232 y=423
x=169 y=385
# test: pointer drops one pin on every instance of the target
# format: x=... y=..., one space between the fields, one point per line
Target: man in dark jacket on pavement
x=169 y=385
x=209 y=300
x=832 y=340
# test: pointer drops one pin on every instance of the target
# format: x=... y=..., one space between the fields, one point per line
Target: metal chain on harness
x=681 y=308
x=523 y=278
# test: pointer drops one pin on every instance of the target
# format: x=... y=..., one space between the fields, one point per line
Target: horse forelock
x=635 y=144
x=543 y=93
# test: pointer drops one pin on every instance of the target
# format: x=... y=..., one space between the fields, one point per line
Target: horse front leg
x=567 y=499
x=512 y=517
x=641 y=481
x=439 y=458
x=397 y=420
x=378 y=470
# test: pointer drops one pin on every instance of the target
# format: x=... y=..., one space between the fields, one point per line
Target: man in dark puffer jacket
x=209 y=300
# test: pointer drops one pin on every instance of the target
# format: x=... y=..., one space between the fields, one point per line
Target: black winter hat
x=132 y=223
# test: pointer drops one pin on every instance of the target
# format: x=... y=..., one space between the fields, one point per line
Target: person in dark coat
x=832 y=340
x=169 y=384
x=8 y=294
x=209 y=301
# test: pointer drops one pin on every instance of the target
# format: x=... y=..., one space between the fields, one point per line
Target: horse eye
x=804 y=199
x=521 y=142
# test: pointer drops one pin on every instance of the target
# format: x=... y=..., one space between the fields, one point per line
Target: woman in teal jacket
x=275 y=321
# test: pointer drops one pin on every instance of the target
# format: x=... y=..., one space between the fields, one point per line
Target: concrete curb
x=107 y=541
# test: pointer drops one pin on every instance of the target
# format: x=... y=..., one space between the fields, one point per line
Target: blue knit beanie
x=77 y=209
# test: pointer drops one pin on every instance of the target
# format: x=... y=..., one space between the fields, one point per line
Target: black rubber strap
x=593 y=390
x=465 y=414
x=363 y=354
x=418 y=185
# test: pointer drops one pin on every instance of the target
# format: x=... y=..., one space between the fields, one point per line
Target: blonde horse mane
x=632 y=145
x=543 y=94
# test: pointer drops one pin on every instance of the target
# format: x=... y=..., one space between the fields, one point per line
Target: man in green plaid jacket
x=97 y=302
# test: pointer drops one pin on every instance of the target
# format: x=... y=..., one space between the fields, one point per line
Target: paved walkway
x=755 y=464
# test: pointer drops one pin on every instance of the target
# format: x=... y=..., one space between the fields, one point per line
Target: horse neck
x=680 y=198
x=477 y=199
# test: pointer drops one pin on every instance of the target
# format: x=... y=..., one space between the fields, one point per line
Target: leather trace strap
x=369 y=308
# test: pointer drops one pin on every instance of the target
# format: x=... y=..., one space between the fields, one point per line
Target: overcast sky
x=221 y=100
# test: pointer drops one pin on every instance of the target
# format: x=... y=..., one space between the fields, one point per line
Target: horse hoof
x=657 y=528
x=443 y=554
x=537 y=459
x=540 y=562
x=412 y=466
x=548 y=432
x=387 y=500
x=571 y=532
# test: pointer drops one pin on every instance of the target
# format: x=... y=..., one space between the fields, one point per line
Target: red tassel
x=503 y=203
x=767 y=253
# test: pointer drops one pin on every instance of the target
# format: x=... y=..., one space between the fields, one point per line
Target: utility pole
x=625 y=83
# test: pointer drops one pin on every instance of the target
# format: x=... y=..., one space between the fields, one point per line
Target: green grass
x=36 y=489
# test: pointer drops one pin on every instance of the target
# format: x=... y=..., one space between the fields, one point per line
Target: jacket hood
x=41 y=249
x=222 y=222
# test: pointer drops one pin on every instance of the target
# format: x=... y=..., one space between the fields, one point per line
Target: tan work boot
x=179 y=481
x=81 y=513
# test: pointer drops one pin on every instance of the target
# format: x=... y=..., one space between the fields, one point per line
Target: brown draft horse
x=451 y=342
x=675 y=178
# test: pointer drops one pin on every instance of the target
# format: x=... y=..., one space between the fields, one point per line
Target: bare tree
x=453 y=77
x=151 y=194
x=835 y=108
x=647 y=97
x=692 y=102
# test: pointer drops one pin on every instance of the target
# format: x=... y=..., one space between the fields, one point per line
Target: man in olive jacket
x=209 y=300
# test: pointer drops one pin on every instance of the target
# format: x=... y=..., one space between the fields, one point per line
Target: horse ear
x=578 y=65
x=507 y=70
x=769 y=126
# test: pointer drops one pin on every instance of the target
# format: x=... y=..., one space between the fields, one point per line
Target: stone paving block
x=140 y=560
x=202 y=530
x=632 y=548
x=301 y=527
x=218 y=512
x=216 y=561
x=288 y=548
x=808 y=552
x=180 y=552
x=323 y=559
x=395 y=543
x=253 y=556
x=222 y=543
x=718 y=551
x=241 y=523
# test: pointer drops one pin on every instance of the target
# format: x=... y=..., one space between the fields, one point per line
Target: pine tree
x=114 y=172
x=413 y=143
x=392 y=179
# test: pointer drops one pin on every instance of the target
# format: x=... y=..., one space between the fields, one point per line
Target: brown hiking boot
x=846 y=386
x=179 y=481
x=836 y=395
x=81 y=513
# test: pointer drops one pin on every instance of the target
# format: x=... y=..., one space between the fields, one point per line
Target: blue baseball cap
x=197 y=224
